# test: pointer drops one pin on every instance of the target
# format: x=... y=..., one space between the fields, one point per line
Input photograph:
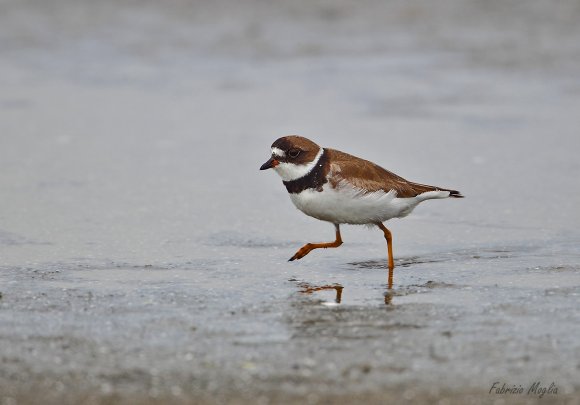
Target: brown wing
x=368 y=176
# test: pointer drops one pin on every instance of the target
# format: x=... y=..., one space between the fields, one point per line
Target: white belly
x=347 y=205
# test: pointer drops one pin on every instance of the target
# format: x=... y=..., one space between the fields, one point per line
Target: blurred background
x=143 y=254
x=132 y=121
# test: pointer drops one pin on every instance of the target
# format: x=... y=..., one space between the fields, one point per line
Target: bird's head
x=293 y=157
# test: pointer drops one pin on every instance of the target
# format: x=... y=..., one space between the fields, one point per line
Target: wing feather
x=369 y=177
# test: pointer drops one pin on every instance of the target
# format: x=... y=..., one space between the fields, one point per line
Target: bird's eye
x=293 y=153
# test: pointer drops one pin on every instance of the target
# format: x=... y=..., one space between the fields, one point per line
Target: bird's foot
x=303 y=251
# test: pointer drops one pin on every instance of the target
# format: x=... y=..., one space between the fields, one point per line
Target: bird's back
x=370 y=177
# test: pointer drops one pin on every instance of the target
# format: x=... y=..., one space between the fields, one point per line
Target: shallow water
x=144 y=256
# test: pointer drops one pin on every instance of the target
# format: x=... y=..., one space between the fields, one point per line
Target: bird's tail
x=428 y=192
x=455 y=194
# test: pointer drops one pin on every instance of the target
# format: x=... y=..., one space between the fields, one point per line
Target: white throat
x=292 y=171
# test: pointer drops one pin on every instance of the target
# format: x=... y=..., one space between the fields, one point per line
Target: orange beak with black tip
x=269 y=164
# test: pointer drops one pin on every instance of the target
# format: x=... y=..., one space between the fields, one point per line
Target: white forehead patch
x=278 y=152
x=291 y=171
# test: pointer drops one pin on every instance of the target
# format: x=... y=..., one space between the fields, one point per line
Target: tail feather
x=423 y=188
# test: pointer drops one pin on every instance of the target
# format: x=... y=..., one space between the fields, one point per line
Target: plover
x=339 y=188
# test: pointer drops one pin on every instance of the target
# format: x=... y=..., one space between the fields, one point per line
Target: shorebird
x=339 y=188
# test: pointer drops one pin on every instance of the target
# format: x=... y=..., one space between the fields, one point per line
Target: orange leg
x=304 y=250
x=389 y=239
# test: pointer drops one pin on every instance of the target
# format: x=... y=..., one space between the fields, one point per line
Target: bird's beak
x=269 y=164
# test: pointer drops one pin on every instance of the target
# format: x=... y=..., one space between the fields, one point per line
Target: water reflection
x=389 y=296
x=309 y=288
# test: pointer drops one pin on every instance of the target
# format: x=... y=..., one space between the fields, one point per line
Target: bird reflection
x=389 y=292
x=308 y=288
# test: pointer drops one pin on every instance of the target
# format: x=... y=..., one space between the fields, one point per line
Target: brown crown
x=292 y=143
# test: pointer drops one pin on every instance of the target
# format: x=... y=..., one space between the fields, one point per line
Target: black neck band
x=314 y=179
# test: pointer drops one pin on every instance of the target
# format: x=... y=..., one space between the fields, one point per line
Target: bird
x=340 y=188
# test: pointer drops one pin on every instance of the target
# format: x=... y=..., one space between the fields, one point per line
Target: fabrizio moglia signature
x=535 y=388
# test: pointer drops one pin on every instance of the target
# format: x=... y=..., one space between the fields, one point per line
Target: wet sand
x=143 y=256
